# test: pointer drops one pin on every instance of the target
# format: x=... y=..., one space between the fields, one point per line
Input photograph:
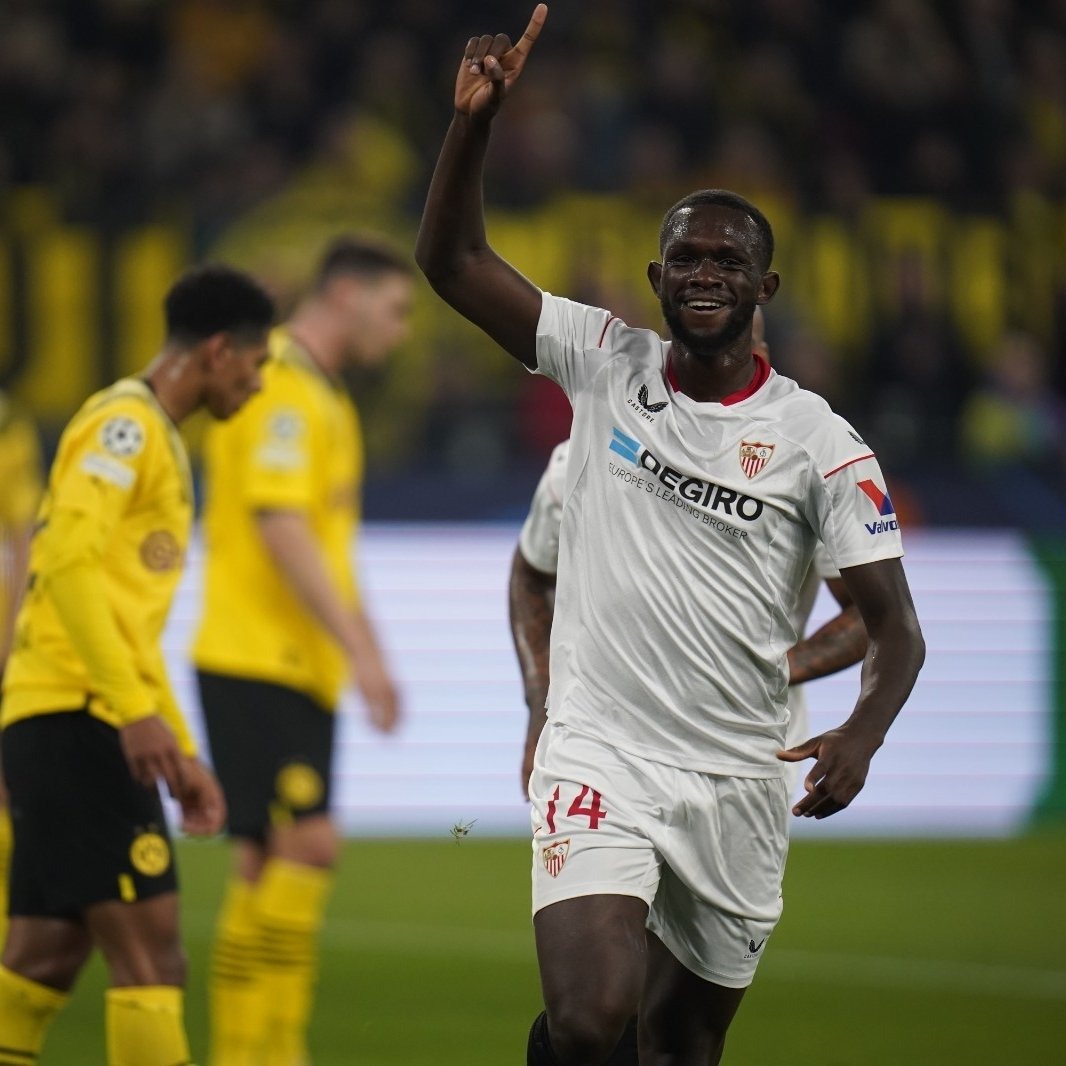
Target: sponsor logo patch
x=880 y=499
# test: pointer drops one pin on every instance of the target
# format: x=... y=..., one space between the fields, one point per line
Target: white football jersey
x=687 y=531
x=539 y=539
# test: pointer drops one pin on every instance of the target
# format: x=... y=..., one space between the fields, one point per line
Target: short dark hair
x=724 y=198
x=216 y=298
x=362 y=257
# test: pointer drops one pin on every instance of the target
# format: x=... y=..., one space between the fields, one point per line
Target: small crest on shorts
x=150 y=854
x=299 y=786
x=754 y=456
x=554 y=855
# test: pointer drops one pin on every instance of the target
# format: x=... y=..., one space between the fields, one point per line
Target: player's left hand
x=203 y=806
x=842 y=761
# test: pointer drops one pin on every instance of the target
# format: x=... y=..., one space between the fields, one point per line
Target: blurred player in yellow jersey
x=90 y=724
x=20 y=476
x=283 y=628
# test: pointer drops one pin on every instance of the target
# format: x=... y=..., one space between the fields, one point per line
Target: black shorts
x=272 y=748
x=84 y=831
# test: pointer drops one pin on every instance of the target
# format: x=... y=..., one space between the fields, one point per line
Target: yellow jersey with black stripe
x=107 y=554
x=297 y=446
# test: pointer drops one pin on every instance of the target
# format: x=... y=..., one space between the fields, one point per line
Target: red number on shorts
x=551 y=809
x=595 y=812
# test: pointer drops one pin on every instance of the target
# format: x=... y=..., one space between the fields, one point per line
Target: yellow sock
x=5 y=866
x=291 y=905
x=145 y=1027
x=238 y=1019
x=26 y=1010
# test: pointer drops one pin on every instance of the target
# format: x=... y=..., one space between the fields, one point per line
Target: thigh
x=141 y=942
x=591 y=951
x=272 y=748
x=683 y=1018
x=84 y=830
x=50 y=951
x=723 y=847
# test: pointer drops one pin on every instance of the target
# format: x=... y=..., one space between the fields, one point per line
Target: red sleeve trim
x=850 y=462
x=607 y=324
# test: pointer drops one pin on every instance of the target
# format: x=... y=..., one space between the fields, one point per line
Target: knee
x=586 y=1032
x=309 y=842
x=55 y=967
x=163 y=963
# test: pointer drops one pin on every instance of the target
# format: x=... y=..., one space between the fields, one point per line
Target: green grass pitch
x=929 y=953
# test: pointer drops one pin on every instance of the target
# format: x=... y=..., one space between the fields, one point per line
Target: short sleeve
x=280 y=442
x=858 y=518
x=103 y=457
x=572 y=341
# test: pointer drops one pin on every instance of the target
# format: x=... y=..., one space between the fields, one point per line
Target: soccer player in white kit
x=839 y=643
x=698 y=485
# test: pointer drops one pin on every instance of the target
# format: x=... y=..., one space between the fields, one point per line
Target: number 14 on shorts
x=594 y=810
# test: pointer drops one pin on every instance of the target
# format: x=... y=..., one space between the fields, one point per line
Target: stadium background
x=912 y=157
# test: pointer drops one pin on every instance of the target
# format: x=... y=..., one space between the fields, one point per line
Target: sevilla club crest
x=754 y=456
x=554 y=855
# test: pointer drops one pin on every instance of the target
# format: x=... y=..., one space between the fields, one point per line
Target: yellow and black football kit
x=270 y=675
x=295 y=447
x=105 y=561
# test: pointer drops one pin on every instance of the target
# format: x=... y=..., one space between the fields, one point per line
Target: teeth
x=704 y=305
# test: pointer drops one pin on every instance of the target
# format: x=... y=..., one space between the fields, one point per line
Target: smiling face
x=712 y=277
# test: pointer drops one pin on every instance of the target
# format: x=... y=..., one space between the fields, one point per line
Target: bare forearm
x=838 y=644
x=894 y=658
x=453 y=222
x=531 y=597
x=292 y=546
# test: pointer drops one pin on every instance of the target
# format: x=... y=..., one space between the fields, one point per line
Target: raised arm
x=452 y=249
x=894 y=657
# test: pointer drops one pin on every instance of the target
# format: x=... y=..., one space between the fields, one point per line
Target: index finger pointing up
x=536 y=23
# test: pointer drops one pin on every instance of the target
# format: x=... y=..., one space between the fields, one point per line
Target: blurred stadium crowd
x=911 y=154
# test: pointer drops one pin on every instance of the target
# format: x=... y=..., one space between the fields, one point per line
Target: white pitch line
x=873 y=971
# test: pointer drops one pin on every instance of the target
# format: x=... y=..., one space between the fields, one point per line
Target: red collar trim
x=758 y=379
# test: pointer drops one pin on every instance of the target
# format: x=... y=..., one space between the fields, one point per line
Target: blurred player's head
x=716 y=252
x=221 y=318
x=367 y=288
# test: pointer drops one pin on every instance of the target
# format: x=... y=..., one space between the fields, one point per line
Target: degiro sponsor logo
x=695 y=490
x=880 y=499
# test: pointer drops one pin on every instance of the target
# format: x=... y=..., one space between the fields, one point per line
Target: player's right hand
x=152 y=752
x=491 y=65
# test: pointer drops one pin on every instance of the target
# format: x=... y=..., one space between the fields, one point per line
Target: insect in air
x=461 y=829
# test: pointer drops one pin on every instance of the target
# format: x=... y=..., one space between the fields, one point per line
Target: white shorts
x=705 y=852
